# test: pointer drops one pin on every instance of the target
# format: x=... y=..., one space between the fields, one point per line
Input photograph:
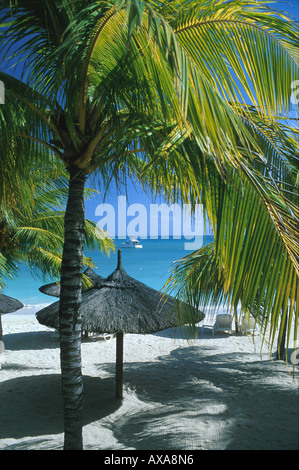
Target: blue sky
x=138 y=196
x=141 y=216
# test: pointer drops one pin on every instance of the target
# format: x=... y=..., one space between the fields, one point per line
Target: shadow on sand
x=31 y=340
x=27 y=399
x=192 y=398
x=195 y=400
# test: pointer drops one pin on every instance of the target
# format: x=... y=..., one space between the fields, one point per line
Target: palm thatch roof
x=9 y=304
x=53 y=288
x=120 y=303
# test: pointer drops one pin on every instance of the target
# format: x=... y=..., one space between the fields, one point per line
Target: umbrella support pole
x=119 y=364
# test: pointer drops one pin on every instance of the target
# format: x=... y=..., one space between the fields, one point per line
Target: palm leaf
x=193 y=66
x=247 y=264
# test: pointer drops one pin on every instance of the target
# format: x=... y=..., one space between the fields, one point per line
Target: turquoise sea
x=150 y=265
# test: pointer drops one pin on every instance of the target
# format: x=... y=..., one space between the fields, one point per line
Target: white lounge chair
x=108 y=337
x=248 y=325
x=223 y=323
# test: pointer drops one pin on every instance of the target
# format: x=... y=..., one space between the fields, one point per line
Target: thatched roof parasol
x=8 y=305
x=53 y=288
x=121 y=304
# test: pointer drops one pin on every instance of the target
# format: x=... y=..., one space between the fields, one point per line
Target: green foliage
x=32 y=225
x=189 y=98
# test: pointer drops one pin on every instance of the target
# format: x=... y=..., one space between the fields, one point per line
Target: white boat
x=132 y=243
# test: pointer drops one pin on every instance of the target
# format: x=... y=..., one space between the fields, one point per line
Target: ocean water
x=150 y=265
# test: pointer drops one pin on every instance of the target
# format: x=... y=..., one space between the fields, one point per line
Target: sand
x=211 y=393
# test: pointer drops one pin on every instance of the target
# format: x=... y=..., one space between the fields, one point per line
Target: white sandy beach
x=212 y=393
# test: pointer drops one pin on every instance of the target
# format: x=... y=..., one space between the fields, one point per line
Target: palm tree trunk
x=69 y=316
x=281 y=351
x=236 y=319
x=119 y=364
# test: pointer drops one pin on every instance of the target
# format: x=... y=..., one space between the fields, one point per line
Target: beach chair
x=248 y=325
x=223 y=323
x=107 y=337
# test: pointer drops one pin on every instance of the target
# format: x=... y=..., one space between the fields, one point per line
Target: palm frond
x=248 y=263
x=185 y=96
x=248 y=40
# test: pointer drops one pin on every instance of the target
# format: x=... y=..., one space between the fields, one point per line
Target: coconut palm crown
x=186 y=96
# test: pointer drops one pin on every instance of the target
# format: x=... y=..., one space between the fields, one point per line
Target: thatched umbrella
x=8 y=305
x=121 y=304
x=53 y=288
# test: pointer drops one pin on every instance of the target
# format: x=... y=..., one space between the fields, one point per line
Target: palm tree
x=249 y=265
x=153 y=89
x=32 y=225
